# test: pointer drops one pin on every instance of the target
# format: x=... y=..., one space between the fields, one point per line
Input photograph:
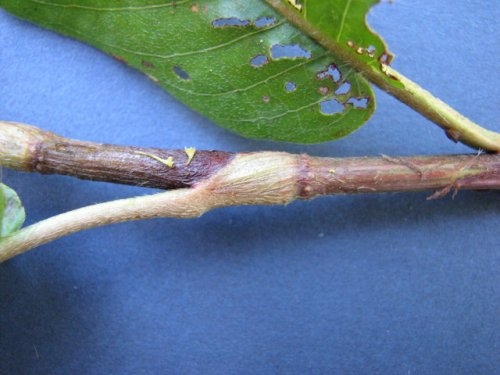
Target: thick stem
x=456 y=126
x=260 y=178
x=27 y=148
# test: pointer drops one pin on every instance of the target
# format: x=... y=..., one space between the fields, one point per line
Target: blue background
x=388 y=284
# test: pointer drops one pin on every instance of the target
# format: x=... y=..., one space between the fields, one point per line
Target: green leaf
x=12 y=213
x=342 y=24
x=221 y=57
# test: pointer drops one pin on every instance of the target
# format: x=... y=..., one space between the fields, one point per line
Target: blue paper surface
x=388 y=284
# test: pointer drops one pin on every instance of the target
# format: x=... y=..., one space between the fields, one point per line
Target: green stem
x=457 y=127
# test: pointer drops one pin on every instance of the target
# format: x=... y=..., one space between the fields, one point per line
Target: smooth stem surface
x=173 y=203
x=456 y=126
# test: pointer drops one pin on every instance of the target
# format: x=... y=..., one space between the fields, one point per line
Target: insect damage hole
x=358 y=103
x=343 y=89
x=181 y=73
x=331 y=72
x=259 y=61
x=331 y=107
x=230 y=22
x=385 y=59
x=290 y=86
x=264 y=22
x=289 y=51
x=371 y=50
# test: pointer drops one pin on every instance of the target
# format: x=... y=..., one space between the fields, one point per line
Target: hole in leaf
x=331 y=107
x=385 y=58
x=343 y=88
x=230 y=22
x=182 y=74
x=259 y=61
x=265 y=22
x=290 y=86
x=370 y=49
x=289 y=51
x=331 y=72
x=358 y=103
x=266 y=99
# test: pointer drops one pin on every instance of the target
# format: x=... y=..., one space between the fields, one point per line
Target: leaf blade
x=341 y=25
x=347 y=23
x=12 y=214
x=210 y=68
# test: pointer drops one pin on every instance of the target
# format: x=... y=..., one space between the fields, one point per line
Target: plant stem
x=27 y=148
x=176 y=203
x=456 y=126
x=217 y=179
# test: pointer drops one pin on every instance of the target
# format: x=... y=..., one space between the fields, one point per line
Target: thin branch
x=176 y=203
x=214 y=179
x=457 y=127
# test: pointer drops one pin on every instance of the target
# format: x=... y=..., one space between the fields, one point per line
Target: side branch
x=177 y=203
x=216 y=179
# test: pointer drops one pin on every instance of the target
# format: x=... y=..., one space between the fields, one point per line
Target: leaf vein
x=293 y=67
x=344 y=16
x=190 y=53
x=111 y=9
x=287 y=112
